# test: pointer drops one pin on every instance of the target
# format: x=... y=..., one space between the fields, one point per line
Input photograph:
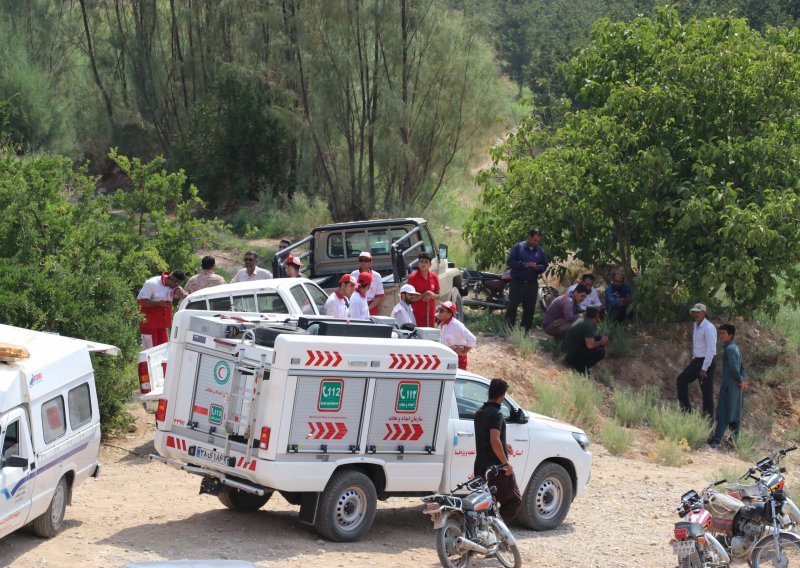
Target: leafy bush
x=584 y=398
x=280 y=216
x=746 y=446
x=677 y=425
x=620 y=341
x=631 y=408
x=549 y=400
x=523 y=342
x=616 y=439
x=670 y=452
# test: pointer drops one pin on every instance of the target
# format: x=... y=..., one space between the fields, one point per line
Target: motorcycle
x=692 y=542
x=490 y=290
x=468 y=527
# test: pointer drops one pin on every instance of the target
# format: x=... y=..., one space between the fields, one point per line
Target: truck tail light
x=144 y=378
x=161 y=411
x=263 y=442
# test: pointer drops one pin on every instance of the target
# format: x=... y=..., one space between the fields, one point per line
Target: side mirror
x=442 y=252
x=15 y=461
x=518 y=416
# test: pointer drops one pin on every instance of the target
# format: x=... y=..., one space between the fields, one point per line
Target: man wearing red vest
x=155 y=303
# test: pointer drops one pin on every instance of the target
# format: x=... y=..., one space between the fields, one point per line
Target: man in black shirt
x=491 y=449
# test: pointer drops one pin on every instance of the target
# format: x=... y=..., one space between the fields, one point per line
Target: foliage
x=670 y=452
x=522 y=342
x=620 y=339
x=279 y=217
x=746 y=446
x=583 y=399
x=616 y=439
x=631 y=408
x=678 y=163
x=677 y=425
x=548 y=399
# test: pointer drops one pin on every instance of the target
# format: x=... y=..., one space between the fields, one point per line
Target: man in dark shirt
x=583 y=348
x=491 y=449
x=618 y=297
x=527 y=261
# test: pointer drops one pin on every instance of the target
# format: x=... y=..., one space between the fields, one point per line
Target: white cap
x=408 y=289
x=365 y=254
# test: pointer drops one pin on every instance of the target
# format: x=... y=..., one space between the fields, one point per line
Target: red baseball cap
x=450 y=307
x=295 y=260
x=364 y=278
x=347 y=279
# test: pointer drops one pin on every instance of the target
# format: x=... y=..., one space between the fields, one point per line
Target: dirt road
x=139 y=510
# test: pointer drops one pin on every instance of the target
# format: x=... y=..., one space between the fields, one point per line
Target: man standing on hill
x=155 y=303
x=251 y=270
x=703 y=363
x=731 y=391
x=206 y=278
x=527 y=261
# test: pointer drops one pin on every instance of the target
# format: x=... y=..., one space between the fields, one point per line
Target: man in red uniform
x=155 y=303
x=427 y=284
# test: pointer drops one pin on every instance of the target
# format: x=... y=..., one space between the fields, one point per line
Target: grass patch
x=691 y=428
x=670 y=452
x=521 y=341
x=584 y=398
x=484 y=321
x=746 y=447
x=620 y=339
x=616 y=439
x=731 y=475
x=603 y=375
x=631 y=408
x=552 y=348
x=549 y=400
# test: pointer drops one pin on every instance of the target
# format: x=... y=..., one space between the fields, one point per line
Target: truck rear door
x=16 y=486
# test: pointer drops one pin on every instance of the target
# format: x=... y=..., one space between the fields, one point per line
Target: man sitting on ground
x=592 y=298
x=563 y=311
x=402 y=313
x=583 y=347
x=618 y=297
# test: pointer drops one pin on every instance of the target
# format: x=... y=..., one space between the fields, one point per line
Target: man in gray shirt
x=701 y=368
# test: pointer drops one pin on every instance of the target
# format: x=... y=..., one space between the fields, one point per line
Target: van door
x=470 y=396
x=16 y=487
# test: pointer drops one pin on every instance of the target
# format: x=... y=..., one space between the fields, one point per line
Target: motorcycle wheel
x=764 y=554
x=692 y=561
x=449 y=554
x=507 y=554
x=546 y=296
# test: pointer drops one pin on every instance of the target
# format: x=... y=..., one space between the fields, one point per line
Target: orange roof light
x=11 y=352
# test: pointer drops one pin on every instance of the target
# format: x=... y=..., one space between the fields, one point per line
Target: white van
x=49 y=426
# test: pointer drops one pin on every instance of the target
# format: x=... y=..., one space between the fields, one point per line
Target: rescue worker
x=292 y=266
x=155 y=303
x=251 y=270
x=206 y=278
x=403 y=313
x=338 y=303
x=455 y=334
x=359 y=307
x=375 y=293
x=426 y=283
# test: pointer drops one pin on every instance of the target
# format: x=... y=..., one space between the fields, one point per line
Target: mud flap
x=309 y=503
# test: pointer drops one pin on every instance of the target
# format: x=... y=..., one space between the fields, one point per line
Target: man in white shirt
x=592 y=300
x=251 y=270
x=338 y=303
x=375 y=293
x=402 y=312
x=359 y=308
x=454 y=334
x=701 y=368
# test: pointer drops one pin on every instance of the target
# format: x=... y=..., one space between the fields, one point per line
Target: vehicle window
x=355 y=242
x=245 y=303
x=53 y=420
x=271 y=303
x=335 y=247
x=301 y=297
x=429 y=245
x=11 y=440
x=470 y=396
x=80 y=406
x=222 y=304
x=196 y=305
x=318 y=296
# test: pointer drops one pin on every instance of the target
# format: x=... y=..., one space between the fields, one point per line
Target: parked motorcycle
x=490 y=290
x=692 y=542
x=469 y=527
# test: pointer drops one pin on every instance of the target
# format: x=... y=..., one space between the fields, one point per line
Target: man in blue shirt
x=527 y=261
x=730 y=399
x=618 y=297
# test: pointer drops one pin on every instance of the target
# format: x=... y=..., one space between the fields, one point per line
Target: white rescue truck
x=49 y=426
x=334 y=422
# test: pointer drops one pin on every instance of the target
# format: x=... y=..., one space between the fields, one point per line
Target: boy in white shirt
x=338 y=303
x=455 y=334
x=359 y=307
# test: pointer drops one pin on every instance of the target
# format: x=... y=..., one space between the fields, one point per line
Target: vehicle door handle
x=466 y=434
x=520 y=439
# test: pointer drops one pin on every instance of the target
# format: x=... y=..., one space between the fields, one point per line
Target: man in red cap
x=375 y=292
x=426 y=283
x=338 y=304
x=359 y=308
x=292 y=266
x=155 y=303
x=455 y=334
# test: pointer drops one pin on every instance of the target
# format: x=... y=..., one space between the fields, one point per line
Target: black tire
x=692 y=561
x=51 y=522
x=547 y=498
x=455 y=297
x=546 y=296
x=238 y=500
x=347 y=506
x=507 y=554
x=449 y=555
x=764 y=551
x=265 y=335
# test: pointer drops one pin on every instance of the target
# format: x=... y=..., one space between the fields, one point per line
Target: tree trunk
x=93 y=60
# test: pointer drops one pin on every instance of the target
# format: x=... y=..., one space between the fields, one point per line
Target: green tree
x=681 y=165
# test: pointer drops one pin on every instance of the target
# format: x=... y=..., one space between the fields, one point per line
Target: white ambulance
x=49 y=426
x=334 y=416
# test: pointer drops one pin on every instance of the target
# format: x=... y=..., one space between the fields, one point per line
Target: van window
x=80 y=406
x=244 y=303
x=355 y=242
x=318 y=296
x=11 y=440
x=53 y=420
x=335 y=247
x=302 y=299
x=271 y=303
x=222 y=304
x=196 y=305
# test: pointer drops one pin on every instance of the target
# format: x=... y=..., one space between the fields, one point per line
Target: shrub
x=484 y=321
x=670 y=452
x=631 y=408
x=584 y=398
x=603 y=375
x=620 y=341
x=677 y=425
x=549 y=400
x=521 y=341
x=746 y=446
x=616 y=439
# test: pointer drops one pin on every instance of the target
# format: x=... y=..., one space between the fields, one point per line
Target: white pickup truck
x=278 y=298
x=334 y=416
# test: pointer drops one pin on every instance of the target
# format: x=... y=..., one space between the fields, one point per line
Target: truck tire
x=51 y=522
x=265 y=335
x=347 y=506
x=455 y=297
x=547 y=498
x=238 y=500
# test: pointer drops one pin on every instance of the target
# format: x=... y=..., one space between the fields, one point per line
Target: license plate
x=683 y=547
x=210 y=455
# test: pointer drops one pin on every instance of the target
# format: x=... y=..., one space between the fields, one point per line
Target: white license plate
x=210 y=455
x=683 y=547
